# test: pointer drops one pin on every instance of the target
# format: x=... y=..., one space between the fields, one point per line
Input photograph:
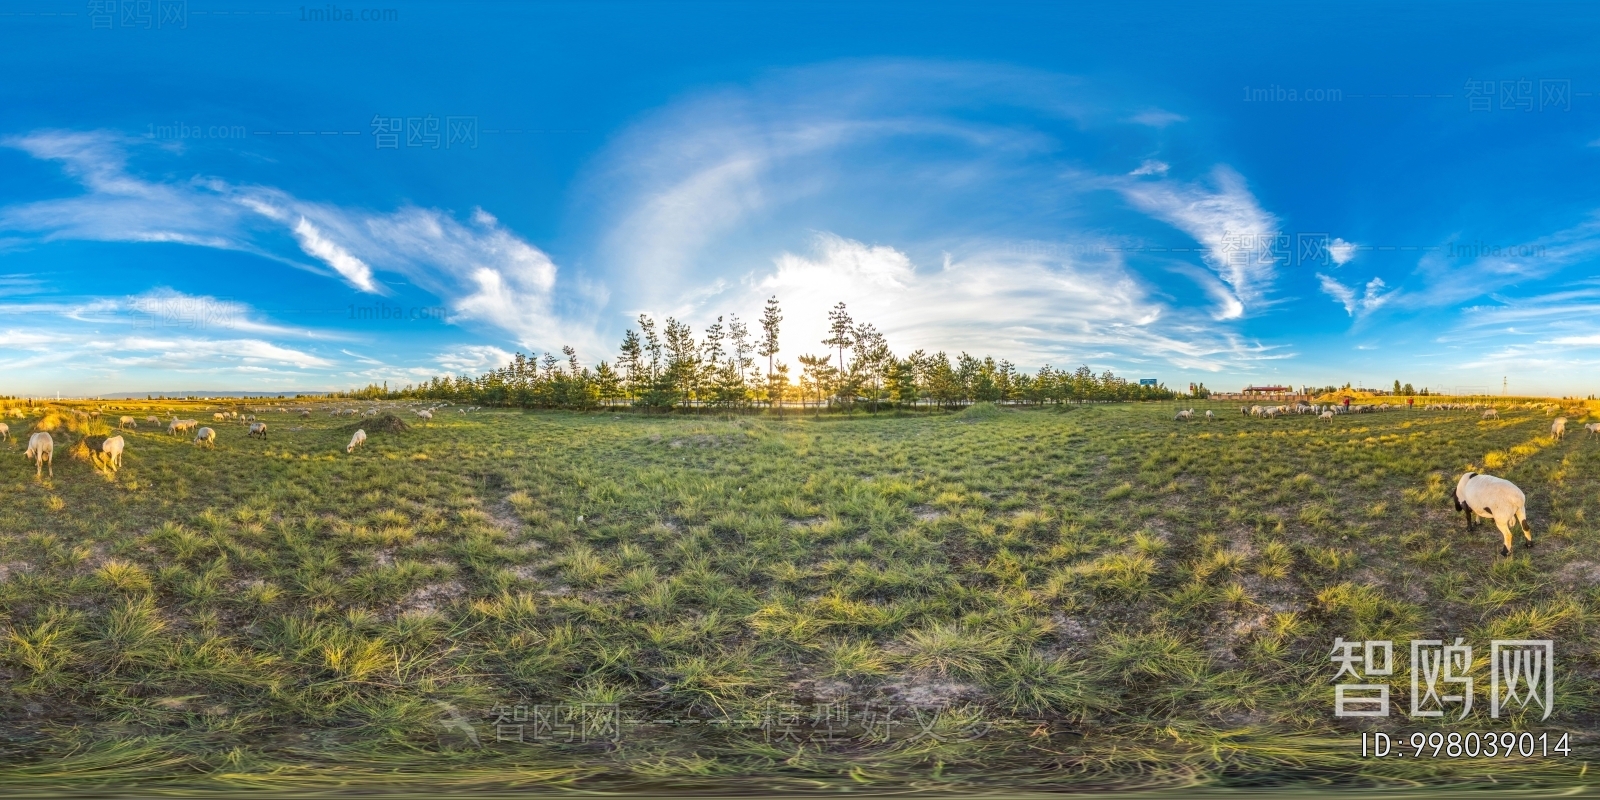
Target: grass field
x=1088 y=597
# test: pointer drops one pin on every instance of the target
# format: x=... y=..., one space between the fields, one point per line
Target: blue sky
x=199 y=195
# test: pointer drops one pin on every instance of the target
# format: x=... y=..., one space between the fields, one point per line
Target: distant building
x=1267 y=390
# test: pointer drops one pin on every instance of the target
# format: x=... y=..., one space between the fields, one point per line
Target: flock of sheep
x=41 y=446
x=1270 y=412
x=1476 y=495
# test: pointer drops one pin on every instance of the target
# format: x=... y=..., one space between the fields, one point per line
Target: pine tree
x=683 y=361
x=739 y=337
x=631 y=365
x=768 y=347
x=840 y=328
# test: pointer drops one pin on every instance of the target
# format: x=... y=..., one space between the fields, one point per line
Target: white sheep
x=1491 y=414
x=206 y=435
x=152 y=420
x=1497 y=499
x=113 y=450
x=42 y=448
x=258 y=429
x=126 y=421
x=218 y=417
x=356 y=441
x=425 y=414
x=1327 y=415
x=1209 y=415
x=1593 y=428
x=1558 y=428
x=5 y=431
x=1185 y=415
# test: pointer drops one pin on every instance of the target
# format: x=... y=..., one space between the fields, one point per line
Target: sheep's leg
x=1505 y=531
x=1522 y=520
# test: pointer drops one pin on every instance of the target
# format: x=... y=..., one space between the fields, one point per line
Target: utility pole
x=1503 y=386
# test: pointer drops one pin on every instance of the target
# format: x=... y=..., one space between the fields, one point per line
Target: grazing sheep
x=181 y=425
x=113 y=450
x=425 y=414
x=1185 y=415
x=218 y=417
x=41 y=448
x=1497 y=499
x=208 y=436
x=1491 y=414
x=126 y=421
x=356 y=441
x=258 y=429
x=1558 y=429
x=1593 y=428
x=5 y=431
x=1209 y=415
x=1327 y=415
x=304 y=414
x=152 y=420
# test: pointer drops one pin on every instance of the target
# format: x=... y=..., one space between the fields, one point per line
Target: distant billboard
x=1147 y=381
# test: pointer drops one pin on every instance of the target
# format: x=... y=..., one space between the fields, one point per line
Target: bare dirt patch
x=924 y=691
x=1578 y=573
x=432 y=597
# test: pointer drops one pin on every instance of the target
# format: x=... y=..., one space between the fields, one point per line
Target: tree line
x=665 y=366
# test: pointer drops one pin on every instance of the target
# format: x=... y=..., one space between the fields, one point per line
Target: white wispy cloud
x=315 y=244
x=1372 y=298
x=729 y=177
x=1151 y=166
x=484 y=272
x=473 y=359
x=1341 y=252
x=1445 y=280
x=164 y=307
x=1224 y=217
x=1157 y=118
x=1028 y=308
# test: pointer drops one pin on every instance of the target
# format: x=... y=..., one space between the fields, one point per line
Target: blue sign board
x=1147 y=381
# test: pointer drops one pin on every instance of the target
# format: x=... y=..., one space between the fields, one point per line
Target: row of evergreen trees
x=663 y=367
